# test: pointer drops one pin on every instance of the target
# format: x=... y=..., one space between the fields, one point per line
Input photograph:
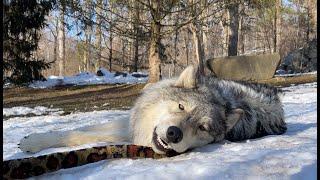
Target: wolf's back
x=263 y=112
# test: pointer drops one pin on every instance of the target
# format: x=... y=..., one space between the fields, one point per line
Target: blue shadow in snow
x=295 y=128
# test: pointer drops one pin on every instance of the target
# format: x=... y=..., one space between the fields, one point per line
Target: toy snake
x=34 y=166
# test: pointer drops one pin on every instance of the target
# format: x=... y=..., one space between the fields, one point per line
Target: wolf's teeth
x=160 y=141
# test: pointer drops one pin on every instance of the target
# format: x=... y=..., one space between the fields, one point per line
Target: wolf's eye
x=181 y=107
x=202 y=128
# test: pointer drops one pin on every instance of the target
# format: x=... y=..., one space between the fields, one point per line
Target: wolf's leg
x=37 y=142
x=109 y=126
x=270 y=121
x=110 y=132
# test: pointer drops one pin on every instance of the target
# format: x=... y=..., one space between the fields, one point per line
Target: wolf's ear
x=233 y=116
x=188 y=78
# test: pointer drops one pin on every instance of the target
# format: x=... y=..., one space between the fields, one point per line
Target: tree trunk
x=98 y=35
x=136 y=55
x=129 y=61
x=61 y=39
x=241 y=36
x=187 y=41
x=312 y=19
x=197 y=34
x=299 y=27
x=276 y=30
x=154 y=53
x=226 y=31
x=88 y=34
x=136 y=44
x=85 y=58
x=110 y=50
x=155 y=42
x=205 y=29
x=123 y=54
x=175 y=50
x=55 y=48
x=86 y=52
x=205 y=46
x=110 y=38
x=234 y=28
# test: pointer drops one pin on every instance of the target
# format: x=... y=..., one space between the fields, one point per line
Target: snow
x=254 y=51
x=292 y=155
x=16 y=128
x=86 y=78
x=6 y=85
x=38 y=110
x=281 y=73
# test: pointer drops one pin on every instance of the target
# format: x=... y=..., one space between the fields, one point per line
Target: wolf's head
x=180 y=114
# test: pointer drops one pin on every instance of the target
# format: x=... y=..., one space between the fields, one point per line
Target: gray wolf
x=182 y=113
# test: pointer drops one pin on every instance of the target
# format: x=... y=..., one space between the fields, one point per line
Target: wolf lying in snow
x=182 y=113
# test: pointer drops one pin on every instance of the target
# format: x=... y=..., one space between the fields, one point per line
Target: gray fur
x=257 y=107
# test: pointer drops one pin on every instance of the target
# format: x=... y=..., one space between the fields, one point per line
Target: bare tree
x=98 y=35
x=233 y=9
x=242 y=30
x=88 y=35
x=53 y=28
x=111 y=24
x=136 y=31
x=276 y=28
x=198 y=35
x=312 y=19
x=155 y=41
x=224 y=23
x=61 y=38
x=187 y=44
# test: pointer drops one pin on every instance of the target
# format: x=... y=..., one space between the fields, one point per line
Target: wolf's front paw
x=32 y=143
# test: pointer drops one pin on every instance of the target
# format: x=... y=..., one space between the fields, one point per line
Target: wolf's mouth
x=163 y=146
x=159 y=143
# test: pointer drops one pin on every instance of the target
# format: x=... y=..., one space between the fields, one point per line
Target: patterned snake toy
x=34 y=166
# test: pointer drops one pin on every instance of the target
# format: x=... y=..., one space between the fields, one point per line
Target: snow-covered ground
x=16 y=128
x=292 y=155
x=87 y=78
x=38 y=110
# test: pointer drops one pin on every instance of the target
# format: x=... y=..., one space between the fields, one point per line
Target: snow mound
x=38 y=110
x=282 y=73
x=292 y=155
x=85 y=78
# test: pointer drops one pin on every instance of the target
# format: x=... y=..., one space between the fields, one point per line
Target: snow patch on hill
x=86 y=78
x=38 y=110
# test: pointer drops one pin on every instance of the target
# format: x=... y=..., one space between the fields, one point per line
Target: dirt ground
x=76 y=98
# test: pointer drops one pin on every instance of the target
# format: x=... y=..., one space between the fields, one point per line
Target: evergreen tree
x=23 y=20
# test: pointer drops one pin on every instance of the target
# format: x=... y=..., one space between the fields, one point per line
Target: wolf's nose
x=174 y=134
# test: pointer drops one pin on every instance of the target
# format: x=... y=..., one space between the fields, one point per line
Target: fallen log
x=35 y=166
x=284 y=81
